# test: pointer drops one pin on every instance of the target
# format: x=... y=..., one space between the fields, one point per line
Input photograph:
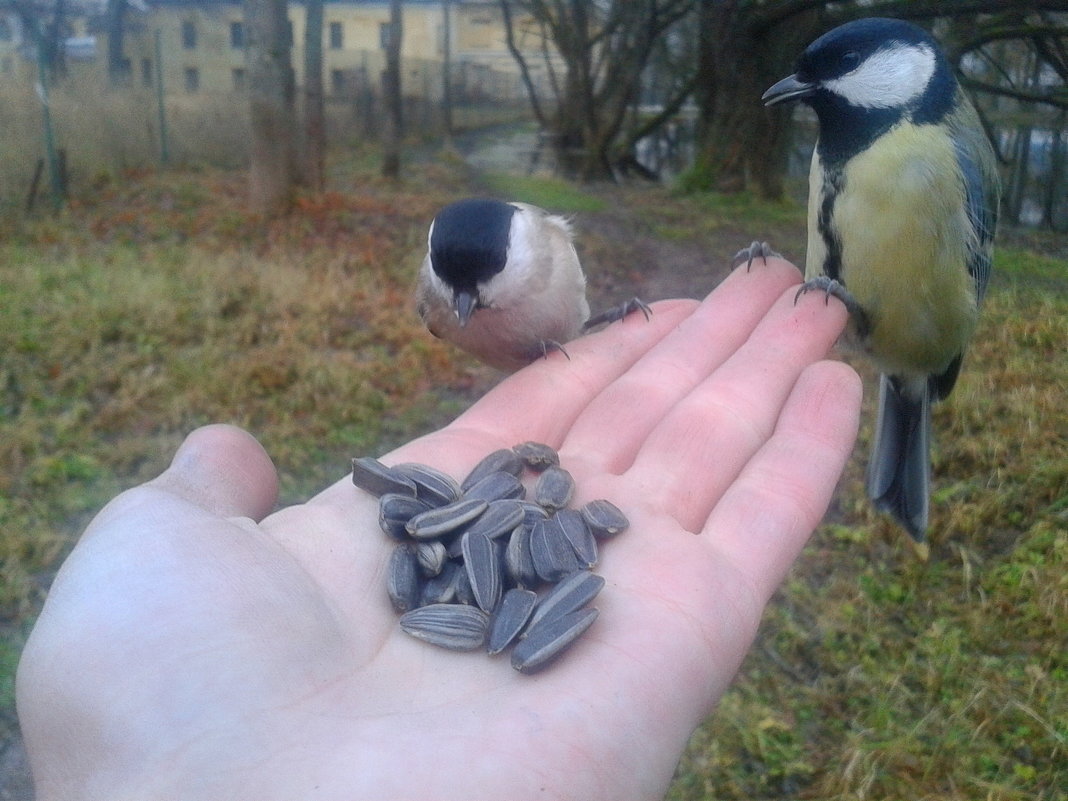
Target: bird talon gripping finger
x=903 y=202
x=756 y=250
x=618 y=313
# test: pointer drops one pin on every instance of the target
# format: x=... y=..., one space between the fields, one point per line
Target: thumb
x=224 y=470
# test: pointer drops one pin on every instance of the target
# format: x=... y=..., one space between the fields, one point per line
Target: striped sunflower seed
x=483 y=566
x=402 y=579
x=508 y=619
x=431 y=556
x=372 y=476
x=532 y=513
x=442 y=588
x=431 y=485
x=458 y=628
x=552 y=554
x=445 y=519
x=496 y=487
x=579 y=535
x=574 y=592
x=504 y=461
x=500 y=518
x=554 y=488
x=552 y=638
x=604 y=518
x=518 y=562
x=394 y=512
x=536 y=456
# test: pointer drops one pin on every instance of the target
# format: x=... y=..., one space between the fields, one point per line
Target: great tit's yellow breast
x=900 y=218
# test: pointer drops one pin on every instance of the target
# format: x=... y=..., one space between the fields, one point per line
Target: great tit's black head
x=863 y=77
x=469 y=242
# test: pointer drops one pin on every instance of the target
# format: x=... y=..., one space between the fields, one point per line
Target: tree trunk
x=272 y=174
x=446 y=74
x=740 y=144
x=118 y=69
x=394 y=128
x=314 y=172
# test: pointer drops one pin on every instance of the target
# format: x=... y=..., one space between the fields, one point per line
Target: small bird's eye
x=850 y=61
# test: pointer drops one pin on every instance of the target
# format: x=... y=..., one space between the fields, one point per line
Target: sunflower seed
x=518 y=563
x=552 y=554
x=445 y=519
x=458 y=628
x=532 y=513
x=431 y=485
x=498 y=519
x=579 y=535
x=508 y=620
x=536 y=456
x=483 y=568
x=574 y=592
x=402 y=579
x=442 y=588
x=554 y=488
x=504 y=460
x=372 y=476
x=549 y=640
x=496 y=487
x=394 y=512
x=604 y=518
x=431 y=556
x=464 y=594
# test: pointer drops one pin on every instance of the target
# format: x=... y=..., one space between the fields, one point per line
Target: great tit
x=903 y=204
x=503 y=282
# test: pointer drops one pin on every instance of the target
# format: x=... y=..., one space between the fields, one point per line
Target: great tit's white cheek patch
x=889 y=78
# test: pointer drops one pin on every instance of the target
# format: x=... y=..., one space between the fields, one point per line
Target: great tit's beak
x=464 y=305
x=787 y=90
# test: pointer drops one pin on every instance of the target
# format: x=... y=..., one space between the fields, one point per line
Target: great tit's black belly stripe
x=833 y=184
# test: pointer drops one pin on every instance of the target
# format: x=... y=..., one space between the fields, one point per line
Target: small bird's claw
x=547 y=346
x=618 y=313
x=831 y=287
x=756 y=250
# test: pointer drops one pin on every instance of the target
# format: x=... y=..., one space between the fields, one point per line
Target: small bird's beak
x=464 y=305
x=787 y=90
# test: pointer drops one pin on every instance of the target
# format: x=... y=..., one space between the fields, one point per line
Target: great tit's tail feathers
x=899 y=473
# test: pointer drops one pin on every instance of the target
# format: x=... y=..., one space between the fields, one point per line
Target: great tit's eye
x=850 y=60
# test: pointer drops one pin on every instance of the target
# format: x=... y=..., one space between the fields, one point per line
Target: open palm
x=188 y=651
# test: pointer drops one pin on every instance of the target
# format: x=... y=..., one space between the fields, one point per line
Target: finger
x=610 y=430
x=223 y=470
x=541 y=401
x=704 y=441
x=764 y=518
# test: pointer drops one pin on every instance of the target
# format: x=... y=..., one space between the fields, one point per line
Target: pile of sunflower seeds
x=477 y=565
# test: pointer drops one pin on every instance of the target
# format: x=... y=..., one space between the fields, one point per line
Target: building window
x=146 y=71
x=337 y=82
x=385 y=30
x=238 y=74
x=189 y=35
x=237 y=35
x=337 y=36
x=192 y=79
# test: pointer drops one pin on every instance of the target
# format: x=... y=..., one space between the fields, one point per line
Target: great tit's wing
x=978 y=167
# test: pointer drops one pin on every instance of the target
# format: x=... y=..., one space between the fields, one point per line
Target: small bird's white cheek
x=887 y=79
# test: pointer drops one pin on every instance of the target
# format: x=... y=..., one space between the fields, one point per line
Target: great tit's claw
x=831 y=287
x=547 y=346
x=756 y=250
x=618 y=313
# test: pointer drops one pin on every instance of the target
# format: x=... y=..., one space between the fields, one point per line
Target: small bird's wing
x=982 y=190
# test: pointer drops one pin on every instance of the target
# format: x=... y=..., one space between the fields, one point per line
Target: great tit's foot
x=831 y=287
x=618 y=313
x=756 y=250
x=547 y=346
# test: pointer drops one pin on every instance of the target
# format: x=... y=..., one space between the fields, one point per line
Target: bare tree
x=114 y=22
x=314 y=156
x=273 y=169
x=391 y=80
x=603 y=47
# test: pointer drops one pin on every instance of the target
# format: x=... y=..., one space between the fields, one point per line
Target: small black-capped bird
x=503 y=282
x=903 y=204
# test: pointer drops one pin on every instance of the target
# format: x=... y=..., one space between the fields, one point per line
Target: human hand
x=187 y=651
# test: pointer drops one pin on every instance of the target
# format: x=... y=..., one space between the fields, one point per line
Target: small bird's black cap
x=469 y=243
